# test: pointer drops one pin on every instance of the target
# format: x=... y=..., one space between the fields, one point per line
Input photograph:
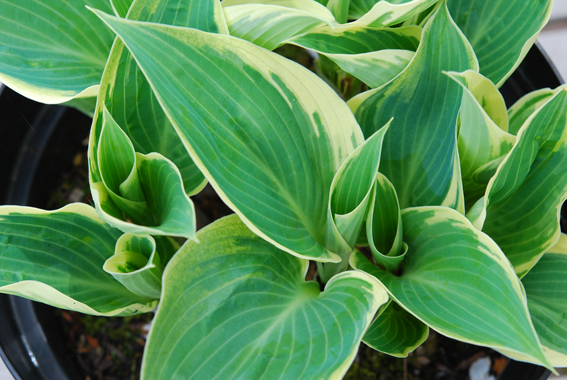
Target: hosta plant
x=396 y=168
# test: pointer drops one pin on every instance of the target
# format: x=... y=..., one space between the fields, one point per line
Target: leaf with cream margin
x=456 y=280
x=52 y=51
x=374 y=56
x=520 y=210
x=250 y=118
x=121 y=7
x=546 y=288
x=136 y=265
x=501 y=33
x=268 y=25
x=351 y=194
x=420 y=154
x=138 y=193
x=482 y=136
x=384 y=13
x=128 y=97
x=56 y=257
x=527 y=105
x=384 y=226
x=395 y=331
x=236 y=306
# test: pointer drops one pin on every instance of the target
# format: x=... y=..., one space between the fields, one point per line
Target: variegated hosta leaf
x=267 y=133
x=121 y=7
x=374 y=56
x=546 y=288
x=395 y=331
x=527 y=105
x=140 y=193
x=234 y=306
x=339 y=9
x=520 y=210
x=384 y=226
x=56 y=257
x=501 y=33
x=136 y=265
x=52 y=51
x=268 y=25
x=386 y=13
x=420 y=152
x=127 y=95
x=351 y=194
x=482 y=136
x=457 y=280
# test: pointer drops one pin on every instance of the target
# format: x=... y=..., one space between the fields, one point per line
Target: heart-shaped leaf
x=457 y=281
x=236 y=306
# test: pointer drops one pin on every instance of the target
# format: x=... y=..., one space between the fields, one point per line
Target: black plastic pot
x=30 y=340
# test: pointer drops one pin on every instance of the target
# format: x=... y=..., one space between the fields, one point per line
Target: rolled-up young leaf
x=236 y=306
x=140 y=193
x=136 y=265
x=56 y=257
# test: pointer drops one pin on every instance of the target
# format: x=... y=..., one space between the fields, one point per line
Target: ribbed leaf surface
x=236 y=307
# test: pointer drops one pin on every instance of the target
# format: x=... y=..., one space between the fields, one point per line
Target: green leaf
x=546 y=285
x=527 y=105
x=236 y=306
x=457 y=281
x=140 y=193
x=52 y=51
x=374 y=56
x=127 y=95
x=520 y=210
x=56 y=257
x=384 y=226
x=351 y=194
x=121 y=7
x=136 y=265
x=265 y=126
x=395 y=331
x=482 y=136
x=351 y=190
x=339 y=8
x=386 y=13
x=269 y=25
x=420 y=152
x=501 y=33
